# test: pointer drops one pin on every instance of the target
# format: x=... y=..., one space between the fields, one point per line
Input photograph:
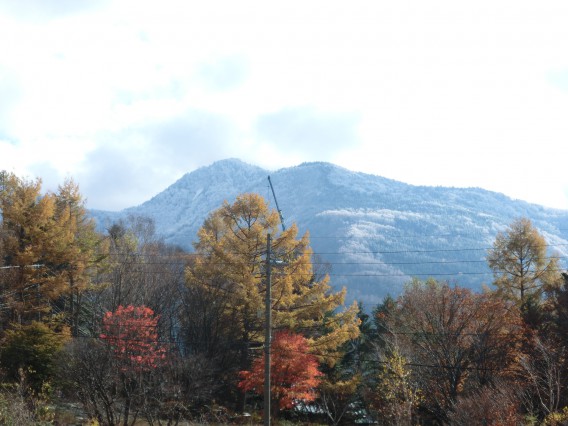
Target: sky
x=127 y=96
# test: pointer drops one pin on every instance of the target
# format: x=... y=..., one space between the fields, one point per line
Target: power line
x=399 y=273
x=425 y=251
x=442 y=262
x=345 y=252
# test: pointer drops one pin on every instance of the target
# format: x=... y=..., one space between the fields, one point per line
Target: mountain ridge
x=375 y=232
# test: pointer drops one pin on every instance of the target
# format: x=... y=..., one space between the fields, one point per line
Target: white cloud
x=437 y=93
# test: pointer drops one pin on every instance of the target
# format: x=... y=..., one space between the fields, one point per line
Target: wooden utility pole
x=267 y=333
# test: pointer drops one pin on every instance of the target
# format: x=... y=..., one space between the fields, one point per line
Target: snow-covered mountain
x=376 y=233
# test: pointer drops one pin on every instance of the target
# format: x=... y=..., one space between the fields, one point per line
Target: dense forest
x=118 y=327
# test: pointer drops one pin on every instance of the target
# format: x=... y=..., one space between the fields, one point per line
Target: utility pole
x=277 y=207
x=267 y=331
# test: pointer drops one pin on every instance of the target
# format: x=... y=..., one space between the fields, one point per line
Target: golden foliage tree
x=397 y=395
x=520 y=264
x=74 y=250
x=230 y=262
x=47 y=245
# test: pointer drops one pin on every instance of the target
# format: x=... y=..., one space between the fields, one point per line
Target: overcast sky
x=127 y=96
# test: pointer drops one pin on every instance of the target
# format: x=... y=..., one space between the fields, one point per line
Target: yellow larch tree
x=230 y=262
x=47 y=246
x=520 y=264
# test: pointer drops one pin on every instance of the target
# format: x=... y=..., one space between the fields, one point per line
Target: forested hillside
x=120 y=327
x=373 y=232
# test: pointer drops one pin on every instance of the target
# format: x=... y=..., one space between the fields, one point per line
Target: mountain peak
x=388 y=231
x=229 y=162
x=221 y=171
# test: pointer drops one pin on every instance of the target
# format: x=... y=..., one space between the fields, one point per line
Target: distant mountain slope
x=376 y=233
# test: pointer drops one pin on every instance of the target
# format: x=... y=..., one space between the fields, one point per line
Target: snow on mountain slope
x=375 y=233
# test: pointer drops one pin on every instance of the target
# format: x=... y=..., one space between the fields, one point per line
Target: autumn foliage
x=131 y=332
x=438 y=353
x=294 y=371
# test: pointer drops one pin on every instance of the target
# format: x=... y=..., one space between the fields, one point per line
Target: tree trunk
x=126 y=400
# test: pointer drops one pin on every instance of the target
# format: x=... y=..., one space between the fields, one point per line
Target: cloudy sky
x=127 y=96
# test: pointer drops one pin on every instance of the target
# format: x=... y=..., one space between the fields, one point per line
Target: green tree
x=340 y=390
x=32 y=350
x=559 y=313
x=520 y=265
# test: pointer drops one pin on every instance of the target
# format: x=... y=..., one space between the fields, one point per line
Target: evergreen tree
x=30 y=352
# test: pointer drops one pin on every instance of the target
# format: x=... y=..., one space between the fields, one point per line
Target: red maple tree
x=132 y=334
x=294 y=373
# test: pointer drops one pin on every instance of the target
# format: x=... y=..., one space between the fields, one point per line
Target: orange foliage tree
x=456 y=341
x=132 y=334
x=294 y=371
